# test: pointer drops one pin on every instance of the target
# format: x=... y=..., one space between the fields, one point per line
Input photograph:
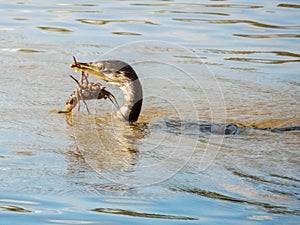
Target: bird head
x=115 y=72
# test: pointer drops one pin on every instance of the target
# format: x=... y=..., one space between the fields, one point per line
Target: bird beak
x=89 y=68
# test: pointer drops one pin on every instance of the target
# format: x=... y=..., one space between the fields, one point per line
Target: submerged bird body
x=122 y=75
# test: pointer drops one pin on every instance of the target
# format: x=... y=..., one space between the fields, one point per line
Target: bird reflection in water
x=106 y=144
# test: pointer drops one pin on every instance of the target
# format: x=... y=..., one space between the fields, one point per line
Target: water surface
x=234 y=61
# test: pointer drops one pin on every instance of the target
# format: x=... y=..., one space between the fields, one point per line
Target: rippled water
x=88 y=169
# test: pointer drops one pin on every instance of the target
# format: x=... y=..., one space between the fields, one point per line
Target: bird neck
x=132 y=102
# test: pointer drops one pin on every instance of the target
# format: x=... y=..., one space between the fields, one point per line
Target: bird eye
x=118 y=73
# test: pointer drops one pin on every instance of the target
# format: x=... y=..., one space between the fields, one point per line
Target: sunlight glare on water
x=222 y=61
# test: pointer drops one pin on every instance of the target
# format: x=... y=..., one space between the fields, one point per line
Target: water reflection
x=13 y=205
x=55 y=29
x=201 y=5
x=256 y=58
x=270 y=207
x=250 y=22
x=268 y=35
x=139 y=214
x=126 y=33
x=26 y=50
x=288 y=5
x=76 y=4
x=103 y=22
x=15 y=209
x=264 y=61
x=106 y=147
x=191 y=12
x=132 y=155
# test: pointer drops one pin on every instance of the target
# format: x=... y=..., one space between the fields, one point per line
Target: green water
x=234 y=61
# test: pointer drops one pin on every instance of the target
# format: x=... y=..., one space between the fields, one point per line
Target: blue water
x=234 y=61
